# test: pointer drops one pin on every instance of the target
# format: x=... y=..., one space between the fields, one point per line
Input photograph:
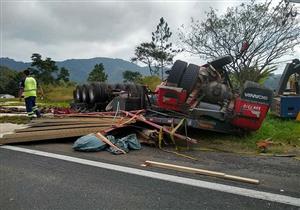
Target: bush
x=151 y=81
x=61 y=92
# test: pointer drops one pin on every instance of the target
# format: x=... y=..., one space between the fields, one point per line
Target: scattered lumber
x=159 y=127
x=64 y=127
x=80 y=124
x=200 y=171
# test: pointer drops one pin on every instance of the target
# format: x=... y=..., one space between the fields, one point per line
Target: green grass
x=54 y=96
x=61 y=93
x=285 y=135
x=14 y=119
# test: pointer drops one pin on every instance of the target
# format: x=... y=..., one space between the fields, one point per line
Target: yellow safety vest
x=30 y=87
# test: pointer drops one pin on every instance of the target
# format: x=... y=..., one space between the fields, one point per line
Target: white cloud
x=85 y=29
x=66 y=29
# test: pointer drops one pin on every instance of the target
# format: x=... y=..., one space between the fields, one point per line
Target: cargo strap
x=160 y=139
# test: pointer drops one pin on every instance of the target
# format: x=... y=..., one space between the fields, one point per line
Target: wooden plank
x=63 y=123
x=200 y=171
x=60 y=127
x=47 y=135
x=58 y=120
x=105 y=140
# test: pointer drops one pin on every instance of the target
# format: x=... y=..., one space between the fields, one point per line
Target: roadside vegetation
x=281 y=136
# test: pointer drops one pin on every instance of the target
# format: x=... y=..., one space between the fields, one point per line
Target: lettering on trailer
x=256 y=96
x=255 y=110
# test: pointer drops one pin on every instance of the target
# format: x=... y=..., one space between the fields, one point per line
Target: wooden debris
x=200 y=171
x=105 y=140
x=59 y=128
x=159 y=127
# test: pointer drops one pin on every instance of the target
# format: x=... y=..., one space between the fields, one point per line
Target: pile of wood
x=64 y=127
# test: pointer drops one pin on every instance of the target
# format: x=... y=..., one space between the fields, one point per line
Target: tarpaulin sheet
x=90 y=143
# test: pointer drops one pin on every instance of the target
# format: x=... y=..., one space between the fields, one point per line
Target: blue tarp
x=90 y=143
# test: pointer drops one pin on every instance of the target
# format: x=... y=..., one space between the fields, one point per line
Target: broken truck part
x=203 y=95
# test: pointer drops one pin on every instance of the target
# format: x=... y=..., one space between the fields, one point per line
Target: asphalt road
x=29 y=181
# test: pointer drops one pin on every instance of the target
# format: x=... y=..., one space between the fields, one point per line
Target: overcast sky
x=86 y=29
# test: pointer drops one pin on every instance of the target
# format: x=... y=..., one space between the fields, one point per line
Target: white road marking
x=170 y=178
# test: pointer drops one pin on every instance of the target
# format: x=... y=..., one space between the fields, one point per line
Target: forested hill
x=80 y=68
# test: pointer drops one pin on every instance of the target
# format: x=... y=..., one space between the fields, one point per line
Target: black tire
x=140 y=90
x=74 y=96
x=85 y=94
x=119 y=86
x=248 y=84
x=189 y=78
x=132 y=90
x=92 y=93
x=104 y=92
x=221 y=61
x=78 y=94
x=96 y=92
x=176 y=73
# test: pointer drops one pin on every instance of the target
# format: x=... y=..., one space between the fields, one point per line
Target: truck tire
x=85 y=94
x=92 y=93
x=221 y=61
x=78 y=93
x=176 y=73
x=132 y=90
x=140 y=90
x=104 y=92
x=189 y=78
x=119 y=86
x=74 y=96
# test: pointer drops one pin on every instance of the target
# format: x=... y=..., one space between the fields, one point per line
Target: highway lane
x=29 y=181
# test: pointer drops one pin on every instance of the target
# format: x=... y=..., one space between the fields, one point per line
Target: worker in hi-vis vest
x=28 y=88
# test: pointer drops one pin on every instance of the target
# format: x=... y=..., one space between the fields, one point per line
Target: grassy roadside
x=14 y=119
x=285 y=135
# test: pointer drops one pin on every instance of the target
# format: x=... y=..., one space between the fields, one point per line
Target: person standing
x=28 y=88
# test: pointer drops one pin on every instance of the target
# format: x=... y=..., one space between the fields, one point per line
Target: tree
x=164 y=52
x=157 y=54
x=97 y=74
x=63 y=75
x=9 y=81
x=255 y=35
x=145 y=53
x=44 y=69
x=132 y=76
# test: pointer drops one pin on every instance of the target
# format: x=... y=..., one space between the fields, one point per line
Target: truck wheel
x=189 y=78
x=119 y=86
x=78 y=93
x=140 y=90
x=132 y=90
x=74 y=96
x=176 y=73
x=92 y=93
x=221 y=61
x=85 y=94
x=104 y=92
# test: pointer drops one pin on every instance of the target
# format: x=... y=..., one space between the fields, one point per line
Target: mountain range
x=80 y=68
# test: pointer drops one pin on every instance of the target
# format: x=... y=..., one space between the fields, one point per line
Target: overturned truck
x=202 y=95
